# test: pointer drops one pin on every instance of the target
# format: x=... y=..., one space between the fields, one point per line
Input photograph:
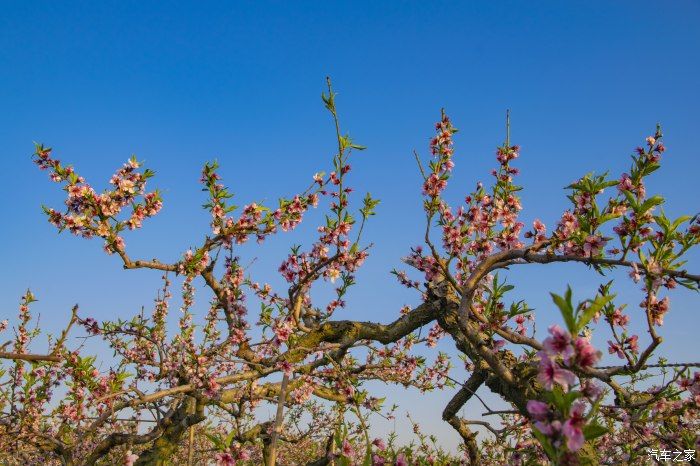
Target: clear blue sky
x=190 y=82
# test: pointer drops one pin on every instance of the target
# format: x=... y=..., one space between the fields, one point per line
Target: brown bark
x=519 y=387
x=455 y=404
x=189 y=413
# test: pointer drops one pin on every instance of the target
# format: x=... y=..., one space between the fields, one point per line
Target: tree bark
x=271 y=459
x=189 y=413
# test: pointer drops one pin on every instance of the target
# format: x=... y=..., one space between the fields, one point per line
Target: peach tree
x=184 y=388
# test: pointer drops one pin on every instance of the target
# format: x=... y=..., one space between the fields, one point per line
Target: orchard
x=178 y=387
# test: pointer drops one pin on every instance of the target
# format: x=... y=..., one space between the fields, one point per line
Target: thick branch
x=549 y=258
x=30 y=357
x=450 y=413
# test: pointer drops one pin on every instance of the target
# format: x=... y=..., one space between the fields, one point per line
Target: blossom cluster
x=91 y=214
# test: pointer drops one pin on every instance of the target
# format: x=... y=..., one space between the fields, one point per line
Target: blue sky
x=240 y=82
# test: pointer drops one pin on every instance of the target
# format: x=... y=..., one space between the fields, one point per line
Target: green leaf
x=595 y=307
x=546 y=445
x=679 y=221
x=566 y=309
x=649 y=169
x=570 y=397
x=560 y=399
x=631 y=199
x=606 y=218
x=216 y=440
x=329 y=101
x=592 y=431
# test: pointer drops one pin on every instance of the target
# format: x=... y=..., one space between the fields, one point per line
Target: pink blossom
x=550 y=429
x=539 y=226
x=347 y=448
x=286 y=368
x=225 y=459
x=634 y=273
x=283 y=331
x=590 y=389
x=573 y=427
x=379 y=443
x=653 y=266
x=434 y=185
x=586 y=354
x=656 y=308
x=559 y=343
x=539 y=231
x=217 y=211
x=550 y=373
x=506 y=154
x=538 y=410
x=614 y=348
x=567 y=224
x=593 y=245
x=401 y=460
x=625 y=183
x=130 y=458
x=618 y=318
x=333 y=274
x=434 y=334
